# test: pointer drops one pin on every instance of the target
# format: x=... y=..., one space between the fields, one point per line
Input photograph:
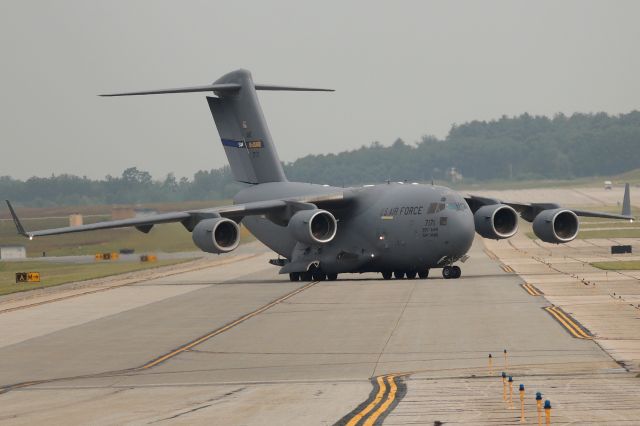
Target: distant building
x=75 y=220
x=9 y=252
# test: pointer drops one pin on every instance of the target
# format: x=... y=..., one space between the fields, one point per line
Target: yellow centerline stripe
x=569 y=321
x=561 y=321
x=568 y=324
x=531 y=289
x=527 y=289
x=381 y=390
x=573 y=323
x=385 y=405
x=490 y=254
x=506 y=268
x=206 y=337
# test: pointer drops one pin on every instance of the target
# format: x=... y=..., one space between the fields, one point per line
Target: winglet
x=16 y=221
x=626 y=201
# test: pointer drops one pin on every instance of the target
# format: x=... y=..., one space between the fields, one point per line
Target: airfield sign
x=27 y=277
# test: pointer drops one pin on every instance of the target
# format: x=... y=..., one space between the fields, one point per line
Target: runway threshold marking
x=384 y=396
x=531 y=289
x=7 y=388
x=572 y=326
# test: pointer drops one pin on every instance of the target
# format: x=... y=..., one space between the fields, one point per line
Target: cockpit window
x=435 y=208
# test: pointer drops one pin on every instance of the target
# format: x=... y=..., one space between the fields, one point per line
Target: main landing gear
x=312 y=276
x=451 y=272
x=410 y=275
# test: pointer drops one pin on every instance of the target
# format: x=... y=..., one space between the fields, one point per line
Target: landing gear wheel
x=294 y=276
x=319 y=276
x=306 y=276
x=411 y=275
x=456 y=272
x=398 y=275
x=447 y=272
x=423 y=274
x=386 y=275
x=332 y=277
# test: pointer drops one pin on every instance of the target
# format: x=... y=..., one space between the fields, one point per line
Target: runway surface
x=237 y=344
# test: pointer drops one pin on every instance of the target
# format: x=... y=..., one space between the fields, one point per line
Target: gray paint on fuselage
x=388 y=226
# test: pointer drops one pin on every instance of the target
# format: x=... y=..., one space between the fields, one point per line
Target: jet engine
x=496 y=221
x=217 y=235
x=313 y=227
x=556 y=226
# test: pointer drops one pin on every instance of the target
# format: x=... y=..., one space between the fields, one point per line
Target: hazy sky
x=401 y=69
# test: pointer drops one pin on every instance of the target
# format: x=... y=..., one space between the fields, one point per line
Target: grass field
x=52 y=274
x=622 y=265
x=171 y=237
x=610 y=233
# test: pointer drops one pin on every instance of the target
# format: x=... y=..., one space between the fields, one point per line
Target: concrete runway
x=237 y=344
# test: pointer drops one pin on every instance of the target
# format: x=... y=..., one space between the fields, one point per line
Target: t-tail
x=241 y=124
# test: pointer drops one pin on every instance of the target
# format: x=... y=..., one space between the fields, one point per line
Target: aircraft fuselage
x=394 y=226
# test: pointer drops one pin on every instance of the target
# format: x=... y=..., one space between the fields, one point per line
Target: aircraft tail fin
x=626 y=201
x=241 y=124
x=243 y=129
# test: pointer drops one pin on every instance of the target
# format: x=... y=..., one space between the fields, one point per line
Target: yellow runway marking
x=214 y=333
x=385 y=405
x=490 y=254
x=379 y=405
x=574 y=329
x=507 y=268
x=532 y=290
x=381 y=390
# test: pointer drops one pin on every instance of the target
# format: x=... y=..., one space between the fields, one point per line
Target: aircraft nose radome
x=462 y=230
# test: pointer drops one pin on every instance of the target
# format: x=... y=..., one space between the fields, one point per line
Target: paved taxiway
x=119 y=356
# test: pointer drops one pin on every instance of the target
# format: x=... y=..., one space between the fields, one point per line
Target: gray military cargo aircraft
x=397 y=229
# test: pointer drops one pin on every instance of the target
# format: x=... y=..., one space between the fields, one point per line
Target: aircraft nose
x=462 y=231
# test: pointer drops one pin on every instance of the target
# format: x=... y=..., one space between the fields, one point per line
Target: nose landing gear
x=451 y=272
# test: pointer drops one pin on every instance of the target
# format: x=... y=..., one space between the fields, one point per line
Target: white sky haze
x=401 y=69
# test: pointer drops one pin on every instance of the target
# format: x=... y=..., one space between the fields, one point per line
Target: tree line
x=522 y=148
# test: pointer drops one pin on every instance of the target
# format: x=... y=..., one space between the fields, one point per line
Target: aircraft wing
x=189 y=218
x=528 y=211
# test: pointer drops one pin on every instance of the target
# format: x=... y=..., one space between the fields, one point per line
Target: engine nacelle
x=217 y=235
x=313 y=227
x=496 y=221
x=556 y=226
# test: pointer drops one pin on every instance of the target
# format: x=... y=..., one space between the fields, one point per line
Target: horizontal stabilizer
x=227 y=87
x=291 y=88
x=219 y=87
